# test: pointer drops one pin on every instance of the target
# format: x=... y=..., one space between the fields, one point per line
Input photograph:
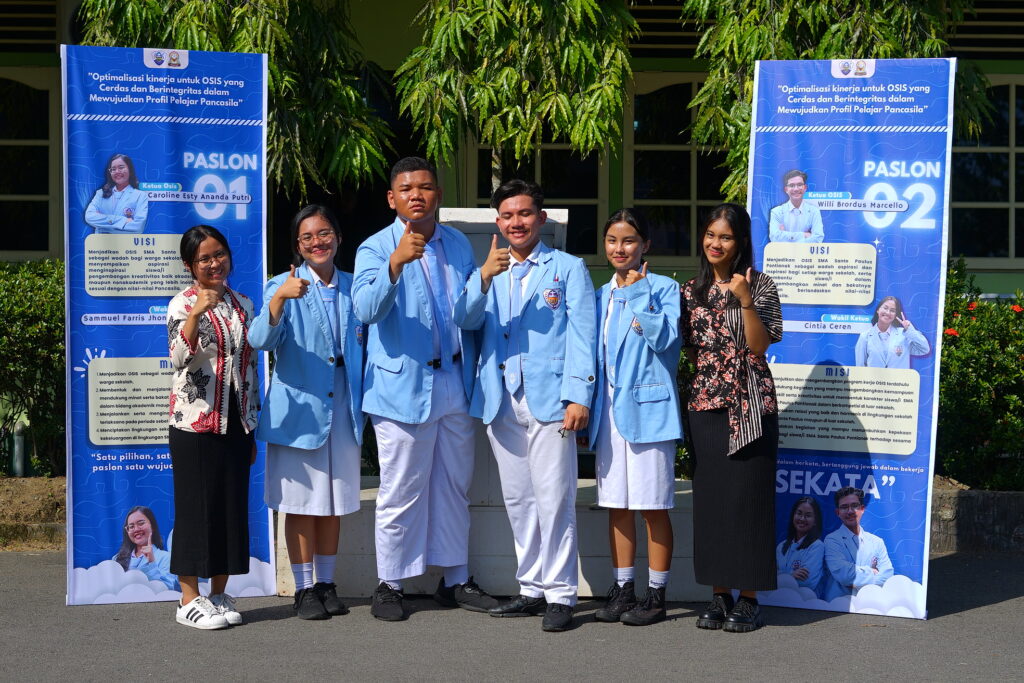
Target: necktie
x=513 y=364
x=329 y=297
x=612 y=336
x=442 y=307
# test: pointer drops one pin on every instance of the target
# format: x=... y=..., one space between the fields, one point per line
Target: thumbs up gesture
x=293 y=287
x=498 y=261
x=636 y=275
x=410 y=247
x=740 y=288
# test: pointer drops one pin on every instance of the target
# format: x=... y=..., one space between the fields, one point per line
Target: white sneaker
x=200 y=613
x=225 y=606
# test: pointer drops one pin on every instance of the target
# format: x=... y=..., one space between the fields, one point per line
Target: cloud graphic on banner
x=897 y=598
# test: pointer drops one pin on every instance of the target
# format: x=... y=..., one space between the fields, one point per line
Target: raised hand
x=636 y=275
x=205 y=300
x=740 y=288
x=410 y=248
x=498 y=261
x=293 y=287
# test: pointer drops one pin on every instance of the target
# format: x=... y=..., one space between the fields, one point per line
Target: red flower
x=971 y=306
x=956 y=315
x=207 y=422
x=1016 y=309
x=951 y=331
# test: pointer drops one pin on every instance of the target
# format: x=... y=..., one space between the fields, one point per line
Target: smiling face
x=849 y=509
x=415 y=196
x=211 y=264
x=316 y=242
x=119 y=172
x=720 y=246
x=519 y=221
x=803 y=519
x=887 y=311
x=795 y=188
x=139 y=529
x=624 y=247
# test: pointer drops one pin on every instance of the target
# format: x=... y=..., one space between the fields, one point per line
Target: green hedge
x=32 y=376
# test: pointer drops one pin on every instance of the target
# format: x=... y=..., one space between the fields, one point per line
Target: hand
x=807 y=233
x=904 y=322
x=740 y=288
x=293 y=287
x=205 y=300
x=147 y=550
x=409 y=249
x=635 y=276
x=801 y=574
x=498 y=261
x=576 y=417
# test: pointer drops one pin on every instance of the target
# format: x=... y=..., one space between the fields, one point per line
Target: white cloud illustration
x=899 y=597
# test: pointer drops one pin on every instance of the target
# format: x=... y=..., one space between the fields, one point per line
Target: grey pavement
x=975 y=631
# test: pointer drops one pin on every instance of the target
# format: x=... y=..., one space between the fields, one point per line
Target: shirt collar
x=318 y=281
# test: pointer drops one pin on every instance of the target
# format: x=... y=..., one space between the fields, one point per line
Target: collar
x=316 y=278
x=535 y=256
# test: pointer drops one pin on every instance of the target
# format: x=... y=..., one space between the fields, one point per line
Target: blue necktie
x=513 y=363
x=442 y=307
x=612 y=336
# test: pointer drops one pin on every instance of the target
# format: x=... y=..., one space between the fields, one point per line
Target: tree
x=739 y=33
x=320 y=128
x=514 y=72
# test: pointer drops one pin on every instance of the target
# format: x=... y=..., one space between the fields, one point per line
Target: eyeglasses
x=852 y=507
x=136 y=525
x=322 y=236
x=219 y=257
x=796 y=186
x=803 y=515
x=117 y=168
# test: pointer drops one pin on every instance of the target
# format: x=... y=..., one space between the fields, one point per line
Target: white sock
x=656 y=579
x=623 y=574
x=303 y=573
x=395 y=584
x=453 y=576
x=324 y=565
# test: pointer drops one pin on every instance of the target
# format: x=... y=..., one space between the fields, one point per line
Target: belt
x=436 y=363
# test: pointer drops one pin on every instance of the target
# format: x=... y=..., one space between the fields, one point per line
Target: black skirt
x=733 y=504
x=211 y=500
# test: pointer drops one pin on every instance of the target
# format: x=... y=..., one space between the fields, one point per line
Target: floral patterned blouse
x=220 y=361
x=728 y=374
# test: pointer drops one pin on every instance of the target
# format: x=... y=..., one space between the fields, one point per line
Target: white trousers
x=538 y=482
x=425 y=471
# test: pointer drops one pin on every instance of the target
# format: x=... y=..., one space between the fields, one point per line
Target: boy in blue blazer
x=534 y=306
x=419 y=372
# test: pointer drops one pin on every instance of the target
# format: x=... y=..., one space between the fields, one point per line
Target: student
x=119 y=206
x=534 y=307
x=312 y=421
x=855 y=558
x=801 y=554
x=419 y=373
x=798 y=219
x=635 y=421
x=891 y=340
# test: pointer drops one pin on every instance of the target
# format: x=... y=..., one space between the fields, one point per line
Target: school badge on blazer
x=553 y=298
x=359 y=335
x=636 y=327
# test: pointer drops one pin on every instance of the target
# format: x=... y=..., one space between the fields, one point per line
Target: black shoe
x=648 y=611
x=744 y=617
x=520 y=606
x=308 y=605
x=714 y=612
x=387 y=604
x=465 y=595
x=328 y=594
x=557 y=617
x=620 y=599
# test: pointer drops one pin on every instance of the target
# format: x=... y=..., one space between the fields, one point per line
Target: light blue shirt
x=158 y=570
x=788 y=223
x=123 y=212
x=890 y=349
x=811 y=558
x=849 y=558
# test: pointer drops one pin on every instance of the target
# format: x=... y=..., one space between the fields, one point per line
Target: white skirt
x=323 y=482
x=632 y=476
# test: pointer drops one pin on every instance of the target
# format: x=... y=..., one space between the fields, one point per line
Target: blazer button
x=501 y=367
x=506 y=335
x=330 y=394
x=331 y=360
x=590 y=379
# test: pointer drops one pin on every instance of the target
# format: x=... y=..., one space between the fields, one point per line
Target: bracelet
x=748 y=308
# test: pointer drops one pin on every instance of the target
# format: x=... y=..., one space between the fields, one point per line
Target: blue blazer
x=645 y=353
x=299 y=406
x=111 y=214
x=400 y=345
x=556 y=336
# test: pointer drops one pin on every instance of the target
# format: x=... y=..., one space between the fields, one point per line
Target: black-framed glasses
x=219 y=257
x=322 y=236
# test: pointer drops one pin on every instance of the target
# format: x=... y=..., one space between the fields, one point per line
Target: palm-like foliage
x=320 y=128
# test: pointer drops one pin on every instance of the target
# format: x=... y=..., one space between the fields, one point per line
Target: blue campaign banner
x=848 y=194
x=155 y=141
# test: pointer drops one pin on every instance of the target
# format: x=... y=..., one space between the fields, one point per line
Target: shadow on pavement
x=964 y=581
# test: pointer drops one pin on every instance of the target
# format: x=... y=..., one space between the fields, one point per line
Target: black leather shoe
x=328 y=594
x=308 y=606
x=648 y=611
x=557 y=617
x=620 y=599
x=714 y=612
x=744 y=617
x=467 y=595
x=520 y=606
x=386 y=604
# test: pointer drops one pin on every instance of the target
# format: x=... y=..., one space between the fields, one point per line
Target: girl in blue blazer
x=635 y=421
x=312 y=419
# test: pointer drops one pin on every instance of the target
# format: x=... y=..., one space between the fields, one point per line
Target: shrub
x=32 y=378
x=981 y=402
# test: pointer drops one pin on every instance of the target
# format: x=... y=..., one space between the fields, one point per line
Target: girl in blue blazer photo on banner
x=635 y=419
x=312 y=419
x=119 y=206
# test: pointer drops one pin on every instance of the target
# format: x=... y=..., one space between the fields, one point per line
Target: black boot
x=649 y=611
x=620 y=599
x=713 y=616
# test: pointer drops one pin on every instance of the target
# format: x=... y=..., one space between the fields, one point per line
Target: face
x=316 y=241
x=139 y=530
x=887 y=312
x=849 y=511
x=211 y=264
x=720 y=245
x=415 y=196
x=795 y=188
x=119 y=172
x=519 y=221
x=803 y=519
x=624 y=247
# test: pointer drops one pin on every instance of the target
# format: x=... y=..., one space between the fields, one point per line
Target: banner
x=849 y=187
x=155 y=141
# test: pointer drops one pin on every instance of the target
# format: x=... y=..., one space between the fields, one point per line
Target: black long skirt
x=211 y=500
x=733 y=504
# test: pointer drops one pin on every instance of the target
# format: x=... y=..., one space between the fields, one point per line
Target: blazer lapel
x=539 y=275
x=316 y=309
x=606 y=295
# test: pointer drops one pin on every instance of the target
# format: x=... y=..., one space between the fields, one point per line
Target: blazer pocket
x=389 y=364
x=649 y=393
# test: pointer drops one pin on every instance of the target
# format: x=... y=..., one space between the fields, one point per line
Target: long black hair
x=309 y=211
x=195 y=236
x=895 y=300
x=631 y=218
x=739 y=220
x=124 y=555
x=108 y=180
x=813 y=535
